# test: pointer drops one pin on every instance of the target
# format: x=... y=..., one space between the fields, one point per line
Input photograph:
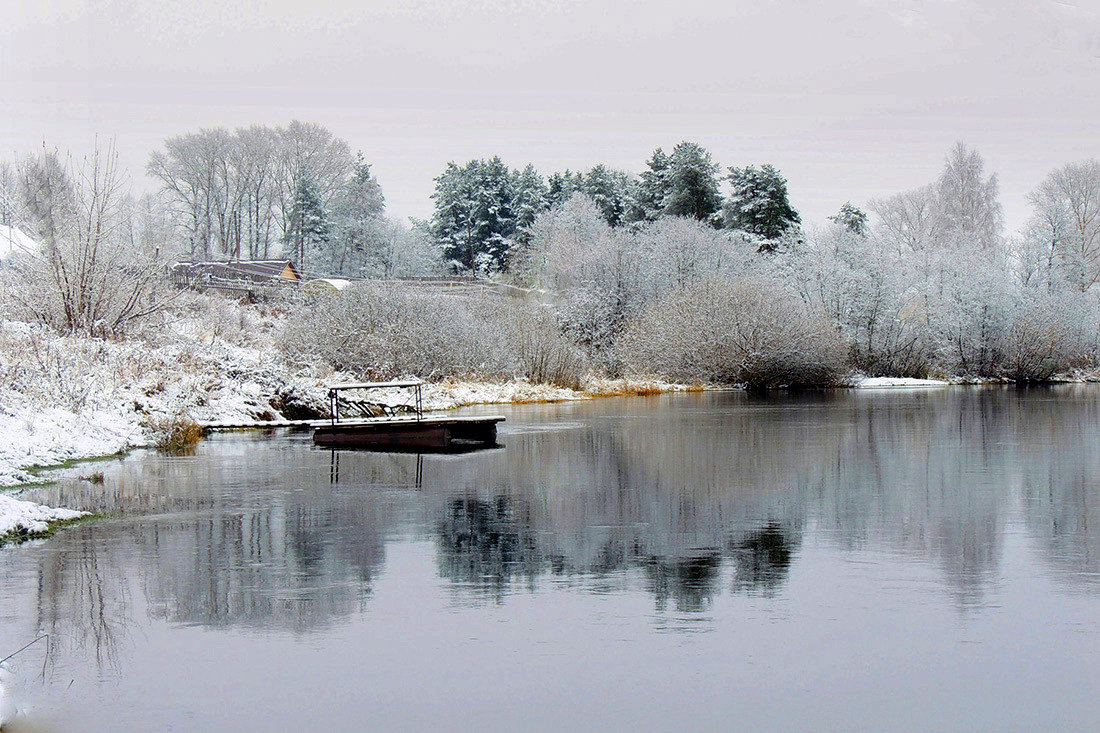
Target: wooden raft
x=396 y=430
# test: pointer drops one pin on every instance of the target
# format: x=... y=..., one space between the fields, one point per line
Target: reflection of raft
x=396 y=430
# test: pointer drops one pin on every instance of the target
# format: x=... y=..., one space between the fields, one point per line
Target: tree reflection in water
x=693 y=494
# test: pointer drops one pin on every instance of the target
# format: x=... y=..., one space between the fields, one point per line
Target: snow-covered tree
x=88 y=277
x=531 y=198
x=652 y=188
x=475 y=218
x=1067 y=220
x=307 y=230
x=561 y=241
x=403 y=251
x=910 y=222
x=232 y=192
x=691 y=186
x=758 y=204
x=562 y=186
x=355 y=215
x=852 y=218
x=967 y=202
x=609 y=189
x=8 y=194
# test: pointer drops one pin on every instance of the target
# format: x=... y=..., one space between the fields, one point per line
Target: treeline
x=292 y=191
x=683 y=271
x=484 y=211
x=931 y=285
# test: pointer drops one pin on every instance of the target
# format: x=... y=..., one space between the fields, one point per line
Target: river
x=863 y=559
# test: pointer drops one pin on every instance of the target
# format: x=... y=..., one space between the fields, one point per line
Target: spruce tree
x=759 y=205
x=691 y=184
x=308 y=233
x=851 y=218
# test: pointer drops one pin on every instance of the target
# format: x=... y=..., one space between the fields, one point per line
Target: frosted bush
x=387 y=331
x=747 y=332
x=89 y=276
x=544 y=354
x=1051 y=334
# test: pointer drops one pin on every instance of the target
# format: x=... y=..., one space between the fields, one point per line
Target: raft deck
x=395 y=430
x=436 y=433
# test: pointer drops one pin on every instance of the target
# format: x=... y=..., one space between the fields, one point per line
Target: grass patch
x=176 y=435
x=40 y=469
x=627 y=388
x=21 y=535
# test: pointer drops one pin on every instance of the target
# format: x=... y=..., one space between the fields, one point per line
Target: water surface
x=889 y=560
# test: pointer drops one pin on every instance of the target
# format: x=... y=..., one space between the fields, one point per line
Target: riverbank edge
x=21 y=536
x=465 y=394
x=458 y=394
x=454 y=394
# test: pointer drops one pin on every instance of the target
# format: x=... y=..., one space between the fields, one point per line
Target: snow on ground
x=878 y=382
x=449 y=394
x=51 y=436
x=25 y=517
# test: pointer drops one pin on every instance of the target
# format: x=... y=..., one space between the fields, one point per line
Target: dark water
x=887 y=560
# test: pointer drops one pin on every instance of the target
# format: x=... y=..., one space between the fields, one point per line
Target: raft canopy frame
x=335 y=390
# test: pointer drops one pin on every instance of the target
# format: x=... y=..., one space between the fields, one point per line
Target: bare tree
x=1067 y=211
x=969 y=211
x=233 y=191
x=908 y=221
x=87 y=278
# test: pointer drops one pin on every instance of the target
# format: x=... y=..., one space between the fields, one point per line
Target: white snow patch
x=53 y=435
x=879 y=382
x=17 y=515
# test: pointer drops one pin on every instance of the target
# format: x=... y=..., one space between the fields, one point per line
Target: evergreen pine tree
x=496 y=225
x=610 y=190
x=758 y=204
x=851 y=218
x=562 y=186
x=651 y=189
x=691 y=184
x=531 y=199
x=355 y=212
x=308 y=232
x=454 y=222
x=475 y=219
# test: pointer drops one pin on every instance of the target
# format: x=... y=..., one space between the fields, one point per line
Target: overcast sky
x=851 y=99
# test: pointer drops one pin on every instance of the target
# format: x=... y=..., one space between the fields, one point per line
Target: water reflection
x=698 y=495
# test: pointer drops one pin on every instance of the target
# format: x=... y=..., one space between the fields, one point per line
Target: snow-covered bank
x=885 y=382
x=448 y=395
x=52 y=436
x=66 y=398
x=24 y=518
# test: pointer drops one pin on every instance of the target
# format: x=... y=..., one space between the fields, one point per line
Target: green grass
x=39 y=469
x=19 y=536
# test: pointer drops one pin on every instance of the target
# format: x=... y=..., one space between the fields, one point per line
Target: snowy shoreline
x=26 y=520
x=53 y=437
x=65 y=399
x=39 y=440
